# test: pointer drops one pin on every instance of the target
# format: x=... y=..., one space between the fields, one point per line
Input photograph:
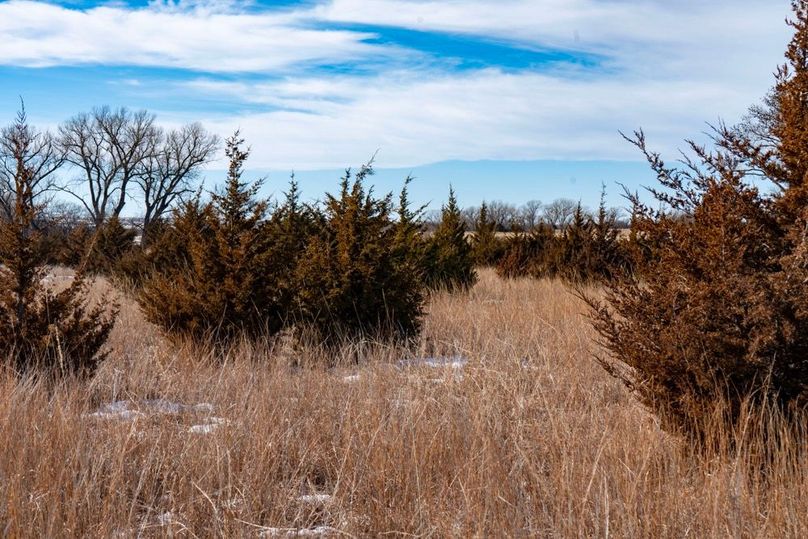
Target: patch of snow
x=318 y=531
x=525 y=364
x=162 y=406
x=351 y=378
x=116 y=410
x=315 y=498
x=203 y=407
x=206 y=428
x=453 y=362
x=202 y=429
x=400 y=403
x=164 y=519
x=128 y=410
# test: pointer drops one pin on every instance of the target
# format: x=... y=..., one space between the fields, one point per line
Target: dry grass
x=530 y=438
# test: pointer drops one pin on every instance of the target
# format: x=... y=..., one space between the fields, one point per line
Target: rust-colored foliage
x=588 y=250
x=40 y=329
x=216 y=285
x=528 y=254
x=721 y=312
x=352 y=279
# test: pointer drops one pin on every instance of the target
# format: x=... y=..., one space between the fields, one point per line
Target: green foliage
x=74 y=250
x=110 y=243
x=41 y=329
x=574 y=254
x=410 y=246
x=448 y=261
x=353 y=281
x=288 y=234
x=486 y=247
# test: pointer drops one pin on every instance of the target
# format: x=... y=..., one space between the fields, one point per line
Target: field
x=512 y=429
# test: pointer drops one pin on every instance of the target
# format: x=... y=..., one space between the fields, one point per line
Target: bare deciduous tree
x=559 y=212
x=109 y=148
x=503 y=214
x=531 y=214
x=169 y=169
x=42 y=159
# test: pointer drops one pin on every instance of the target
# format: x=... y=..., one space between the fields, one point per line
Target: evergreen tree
x=575 y=257
x=289 y=231
x=449 y=260
x=608 y=255
x=529 y=254
x=110 y=243
x=224 y=290
x=410 y=244
x=40 y=329
x=353 y=282
x=720 y=314
x=486 y=247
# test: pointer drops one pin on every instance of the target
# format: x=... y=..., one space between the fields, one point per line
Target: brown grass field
x=529 y=439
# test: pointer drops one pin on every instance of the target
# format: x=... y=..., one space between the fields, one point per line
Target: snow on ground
x=318 y=531
x=206 y=428
x=315 y=498
x=453 y=362
x=125 y=410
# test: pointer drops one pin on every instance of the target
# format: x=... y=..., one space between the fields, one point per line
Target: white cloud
x=196 y=37
x=714 y=38
x=669 y=67
x=480 y=115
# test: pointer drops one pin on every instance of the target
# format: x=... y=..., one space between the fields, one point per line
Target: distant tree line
x=507 y=217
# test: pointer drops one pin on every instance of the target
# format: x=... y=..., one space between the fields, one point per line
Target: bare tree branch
x=43 y=157
x=172 y=165
x=109 y=148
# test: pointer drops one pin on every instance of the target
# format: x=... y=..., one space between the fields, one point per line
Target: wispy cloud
x=321 y=84
x=194 y=37
x=485 y=114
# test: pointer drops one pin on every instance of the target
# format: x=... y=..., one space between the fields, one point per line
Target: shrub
x=448 y=260
x=528 y=254
x=40 y=329
x=573 y=257
x=610 y=257
x=721 y=312
x=288 y=234
x=74 y=250
x=110 y=243
x=410 y=246
x=486 y=247
x=353 y=284
x=587 y=250
x=218 y=286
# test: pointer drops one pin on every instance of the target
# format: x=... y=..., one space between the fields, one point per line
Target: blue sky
x=510 y=100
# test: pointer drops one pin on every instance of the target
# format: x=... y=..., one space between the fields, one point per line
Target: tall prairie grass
x=528 y=438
